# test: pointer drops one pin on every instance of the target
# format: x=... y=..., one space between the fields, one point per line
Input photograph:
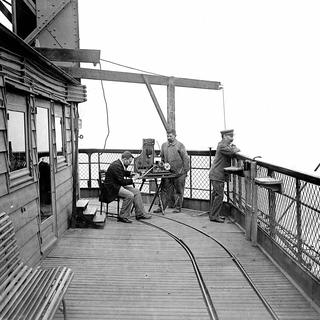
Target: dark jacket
x=114 y=179
x=222 y=160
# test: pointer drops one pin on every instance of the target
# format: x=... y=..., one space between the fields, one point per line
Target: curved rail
x=205 y=292
x=234 y=259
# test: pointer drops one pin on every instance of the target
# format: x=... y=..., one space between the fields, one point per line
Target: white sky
x=265 y=53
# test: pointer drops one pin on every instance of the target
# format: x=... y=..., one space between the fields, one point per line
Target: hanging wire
x=224 y=109
x=107 y=112
x=122 y=65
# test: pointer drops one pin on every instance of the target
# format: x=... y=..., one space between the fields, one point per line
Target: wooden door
x=48 y=227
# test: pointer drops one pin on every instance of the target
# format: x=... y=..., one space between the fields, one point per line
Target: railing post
x=239 y=164
x=254 y=226
x=190 y=179
x=210 y=188
x=272 y=208
x=248 y=199
x=299 y=222
x=234 y=183
x=89 y=181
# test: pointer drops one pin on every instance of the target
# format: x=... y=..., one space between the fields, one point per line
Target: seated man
x=118 y=185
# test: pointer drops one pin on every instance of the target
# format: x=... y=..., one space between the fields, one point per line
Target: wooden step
x=99 y=219
x=82 y=204
x=89 y=211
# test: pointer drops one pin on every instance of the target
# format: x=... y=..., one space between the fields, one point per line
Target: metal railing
x=290 y=218
x=197 y=183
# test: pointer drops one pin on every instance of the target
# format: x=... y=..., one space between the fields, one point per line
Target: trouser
x=130 y=196
x=216 y=199
x=176 y=185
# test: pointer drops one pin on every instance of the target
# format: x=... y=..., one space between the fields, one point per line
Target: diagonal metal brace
x=156 y=103
x=30 y=38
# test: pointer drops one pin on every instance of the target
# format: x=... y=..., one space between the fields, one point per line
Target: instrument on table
x=148 y=164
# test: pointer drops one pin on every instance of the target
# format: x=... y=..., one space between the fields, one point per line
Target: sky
x=265 y=54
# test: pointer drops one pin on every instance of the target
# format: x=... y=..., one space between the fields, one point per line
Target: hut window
x=17 y=140
x=60 y=138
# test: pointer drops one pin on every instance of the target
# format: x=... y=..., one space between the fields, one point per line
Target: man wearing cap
x=174 y=153
x=118 y=182
x=225 y=151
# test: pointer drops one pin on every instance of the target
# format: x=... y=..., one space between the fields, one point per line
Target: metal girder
x=31 y=5
x=5 y=11
x=71 y=55
x=106 y=75
x=46 y=21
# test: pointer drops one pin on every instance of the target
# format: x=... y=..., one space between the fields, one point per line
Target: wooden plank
x=86 y=73
x=156 y=104
x=71 y=55
x=153 y=275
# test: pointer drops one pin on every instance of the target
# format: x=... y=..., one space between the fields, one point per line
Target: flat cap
x=227 y=131
x=127 y=155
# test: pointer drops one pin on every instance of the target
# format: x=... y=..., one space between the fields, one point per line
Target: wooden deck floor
x=133 y=271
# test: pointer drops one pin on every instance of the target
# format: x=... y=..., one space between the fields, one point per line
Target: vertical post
x=210 y=188
x=248 y=199
x=254 y=227
x=190 y=178
x=171 y=117
x=240 y=164
x=234 y=184
x=272 y=208
x=90 y=173
x=299 y=221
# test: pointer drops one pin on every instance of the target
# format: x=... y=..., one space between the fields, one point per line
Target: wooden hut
x=38 y=145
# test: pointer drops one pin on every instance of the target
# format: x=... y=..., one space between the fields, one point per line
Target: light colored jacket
x=176 y=155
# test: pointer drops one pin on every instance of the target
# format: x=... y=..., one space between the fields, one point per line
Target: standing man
x=116 y=184
x=224 y=153
x=174 y=153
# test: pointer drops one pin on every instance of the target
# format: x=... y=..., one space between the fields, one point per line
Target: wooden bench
x=25 y=292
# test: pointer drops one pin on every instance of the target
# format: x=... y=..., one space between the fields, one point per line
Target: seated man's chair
x=102 y=198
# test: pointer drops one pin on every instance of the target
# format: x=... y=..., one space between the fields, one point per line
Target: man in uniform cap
x=225 y=151
x=118 y=182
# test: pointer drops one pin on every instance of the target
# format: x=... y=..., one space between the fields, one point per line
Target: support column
x=171 y=109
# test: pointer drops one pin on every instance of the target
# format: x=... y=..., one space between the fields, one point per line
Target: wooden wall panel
x=63 y=175
x=3 y=186
x=19 y=198
x=25 y=215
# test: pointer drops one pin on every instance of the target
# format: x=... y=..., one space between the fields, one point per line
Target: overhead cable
x=122 y=65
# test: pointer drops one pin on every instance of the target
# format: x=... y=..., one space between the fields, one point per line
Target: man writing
x=118 y=182
x=224 y=153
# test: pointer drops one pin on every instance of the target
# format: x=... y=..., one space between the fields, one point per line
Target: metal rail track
x=205 y=292
x=207 y=298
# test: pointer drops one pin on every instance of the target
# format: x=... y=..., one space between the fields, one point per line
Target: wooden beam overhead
x=106 y=75
x=71 y=55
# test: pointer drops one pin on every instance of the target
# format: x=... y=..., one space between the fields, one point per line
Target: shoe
x=158 y=210
x=125 y=220
x=176 y=210
x=219 y=220
x=144 y=216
